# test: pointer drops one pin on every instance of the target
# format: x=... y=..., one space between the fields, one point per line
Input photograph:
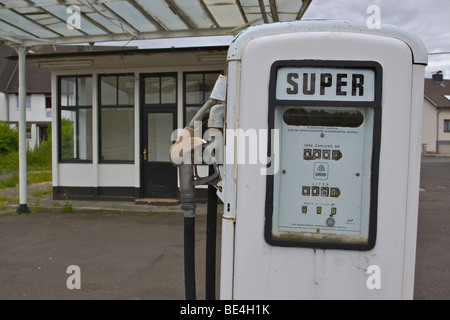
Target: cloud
x=427 y=19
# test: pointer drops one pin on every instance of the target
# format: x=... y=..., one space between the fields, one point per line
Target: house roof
x=436 y=92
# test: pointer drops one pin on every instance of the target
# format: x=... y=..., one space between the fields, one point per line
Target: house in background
x=436 y=115
x=114 y=114
x=38 y=99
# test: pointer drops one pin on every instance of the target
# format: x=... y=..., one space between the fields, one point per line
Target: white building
x=115 y=113
x=38 y=100
x=436 y=115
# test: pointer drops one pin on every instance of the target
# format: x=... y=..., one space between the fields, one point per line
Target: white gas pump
x=329 y=211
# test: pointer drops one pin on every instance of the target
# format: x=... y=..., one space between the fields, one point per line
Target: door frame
x=144 y=109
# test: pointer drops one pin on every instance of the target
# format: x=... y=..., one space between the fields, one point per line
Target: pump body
x=336 y=110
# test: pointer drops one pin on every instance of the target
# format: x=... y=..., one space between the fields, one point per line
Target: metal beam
x=263 y=11
x=38 y=25
x=210 y=15
x=21 y=5
x=139 y=36
x=117 y=19
x=241 y=10
x=8 y=39
x=273 y=9
x=59 y=18
x=179 y=13
x=303 y=9
x=23 y=207
x=147 y=15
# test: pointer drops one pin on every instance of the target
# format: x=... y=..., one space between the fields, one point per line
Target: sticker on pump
x=325 y=84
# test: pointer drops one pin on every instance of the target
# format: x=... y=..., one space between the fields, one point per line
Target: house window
x=48 y=106
x=446 y=125
x=27 y=102
x=116 y=118
x=75 y=118
x=197 y=89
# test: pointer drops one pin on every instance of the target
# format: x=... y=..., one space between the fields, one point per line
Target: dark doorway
x=158 y=121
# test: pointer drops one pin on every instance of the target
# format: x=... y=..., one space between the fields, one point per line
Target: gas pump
x=335 y=112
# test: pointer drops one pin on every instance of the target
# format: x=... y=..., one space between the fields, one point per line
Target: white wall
x=114 y=175
x=9 y=112
x=433 y=129
x=36 y=113
x=429 y=126
x=443 y=115
x=3 y=106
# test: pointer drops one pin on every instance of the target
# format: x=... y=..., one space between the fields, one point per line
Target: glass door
x=159 y=176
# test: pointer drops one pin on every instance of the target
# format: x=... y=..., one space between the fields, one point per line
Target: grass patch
x=36 y=207
x=38 y=177
x=32 y=177
x=4 y=201
x=9 y=182
x=41 y=193
x=67 y=207
x=39 y=159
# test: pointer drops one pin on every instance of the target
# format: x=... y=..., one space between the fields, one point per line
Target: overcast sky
x=429 y=19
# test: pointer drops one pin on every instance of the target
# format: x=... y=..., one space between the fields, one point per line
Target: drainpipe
x=7 y=95
x=7 y=107
x=23 y=207
x=437 y=130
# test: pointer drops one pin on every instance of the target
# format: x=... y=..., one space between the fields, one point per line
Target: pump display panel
x=328 y=117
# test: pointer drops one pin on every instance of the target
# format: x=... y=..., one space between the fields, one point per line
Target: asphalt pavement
x=126 y=251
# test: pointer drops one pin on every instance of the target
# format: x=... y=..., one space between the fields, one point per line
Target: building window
x=446 y=125
x=48 y=106
x=75 y=118
x=160 y=90
x=197 y=89
x=27 y=102
x=116 y=118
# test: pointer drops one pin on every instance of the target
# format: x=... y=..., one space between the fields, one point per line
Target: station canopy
x=25 y=23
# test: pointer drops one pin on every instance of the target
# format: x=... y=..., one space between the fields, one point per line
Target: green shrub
x=41 y=157
x=9 y=139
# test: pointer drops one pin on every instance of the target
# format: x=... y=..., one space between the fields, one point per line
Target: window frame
x=116 y=106
x=446 y=125
x=74 y=108
x=185 y=104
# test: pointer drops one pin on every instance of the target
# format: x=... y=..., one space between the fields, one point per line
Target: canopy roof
x=40 y=22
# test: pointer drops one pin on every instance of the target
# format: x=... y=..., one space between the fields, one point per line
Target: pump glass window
x=324 y=187
x=327 y=115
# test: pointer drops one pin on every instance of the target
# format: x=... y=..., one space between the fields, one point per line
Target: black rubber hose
x=188 y=206
x=211 y=234
x=189 y=258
